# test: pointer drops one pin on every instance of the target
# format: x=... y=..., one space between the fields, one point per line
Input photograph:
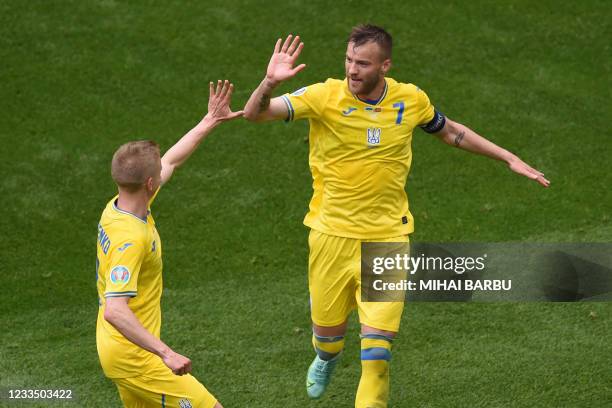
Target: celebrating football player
x=145 y=370
x=360 y=155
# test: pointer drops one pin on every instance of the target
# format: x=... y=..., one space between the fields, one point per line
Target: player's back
x=129 y=264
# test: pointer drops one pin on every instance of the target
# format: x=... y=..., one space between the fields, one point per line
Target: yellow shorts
x=161 y=388
x=334 y=281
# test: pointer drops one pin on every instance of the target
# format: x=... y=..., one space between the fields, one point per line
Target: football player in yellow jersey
x=360 y=155
x=146 y=371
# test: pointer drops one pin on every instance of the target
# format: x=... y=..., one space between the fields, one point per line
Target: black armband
x=436 y=124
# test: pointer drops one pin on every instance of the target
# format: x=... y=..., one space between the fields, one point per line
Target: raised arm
x=458 y=135
x=218 y=111
x=261 y=106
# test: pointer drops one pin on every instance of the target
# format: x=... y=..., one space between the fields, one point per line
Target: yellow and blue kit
x=129 y=264
x=360 y=156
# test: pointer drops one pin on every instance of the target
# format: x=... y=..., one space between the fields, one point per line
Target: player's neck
x=135 y=203
x=376 y=93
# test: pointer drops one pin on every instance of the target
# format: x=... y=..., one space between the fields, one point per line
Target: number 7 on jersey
x=400 y=112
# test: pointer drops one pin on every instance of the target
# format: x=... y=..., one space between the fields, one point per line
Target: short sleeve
x=307 y=102
x=429 y=119
x=125 y=261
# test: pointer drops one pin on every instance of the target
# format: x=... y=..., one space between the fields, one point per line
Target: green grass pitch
x=78 y=78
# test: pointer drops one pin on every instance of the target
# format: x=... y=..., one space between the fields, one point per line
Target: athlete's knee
x=366 y=330
x=338 y=330
x=327 y=347
x=327 y=341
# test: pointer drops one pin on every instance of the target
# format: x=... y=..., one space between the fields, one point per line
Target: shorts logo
x=299 y=92
x=120 y=274
x=373 y=135
x=184 y=403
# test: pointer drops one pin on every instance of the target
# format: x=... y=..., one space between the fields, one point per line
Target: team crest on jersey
x=299 y=92
x=120 y=274
x=373 y=135
x=184 y=403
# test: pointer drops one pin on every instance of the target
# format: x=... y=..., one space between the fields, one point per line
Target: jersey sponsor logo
x=299 y=92
x=373 y=135
x=348 y=111
x=125 y=246
x=184 y=403
x=103 y=239
x=120 y=274
x=153 y=247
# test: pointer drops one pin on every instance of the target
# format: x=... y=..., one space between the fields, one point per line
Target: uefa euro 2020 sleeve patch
x=120 y=275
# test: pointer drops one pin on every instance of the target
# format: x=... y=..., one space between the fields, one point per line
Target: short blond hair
x=134 y=162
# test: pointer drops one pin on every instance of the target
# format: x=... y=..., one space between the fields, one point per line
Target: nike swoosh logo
x=309 y=384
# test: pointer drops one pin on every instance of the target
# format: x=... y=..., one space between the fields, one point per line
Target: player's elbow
x=449 y=132
x=167 y=163
x=255 y=115
x=110 y=314
x=252 y=116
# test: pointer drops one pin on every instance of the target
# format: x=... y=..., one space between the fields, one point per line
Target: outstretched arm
x=218 y=111
x=261 y=106
x=458 y=135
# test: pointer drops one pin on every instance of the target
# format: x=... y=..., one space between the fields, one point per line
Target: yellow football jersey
x=129 y=263
x=360 y=156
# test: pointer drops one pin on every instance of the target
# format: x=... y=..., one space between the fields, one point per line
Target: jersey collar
x=370 y=101
x=129 y=213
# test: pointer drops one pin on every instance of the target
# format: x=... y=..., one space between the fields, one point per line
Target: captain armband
x=436 y=124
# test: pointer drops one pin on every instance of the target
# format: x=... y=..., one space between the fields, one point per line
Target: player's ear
x=386 y=66
x=150 y=184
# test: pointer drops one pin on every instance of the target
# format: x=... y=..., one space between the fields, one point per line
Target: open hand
x=281 y=64
x=219 y=102
x=520 y=167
